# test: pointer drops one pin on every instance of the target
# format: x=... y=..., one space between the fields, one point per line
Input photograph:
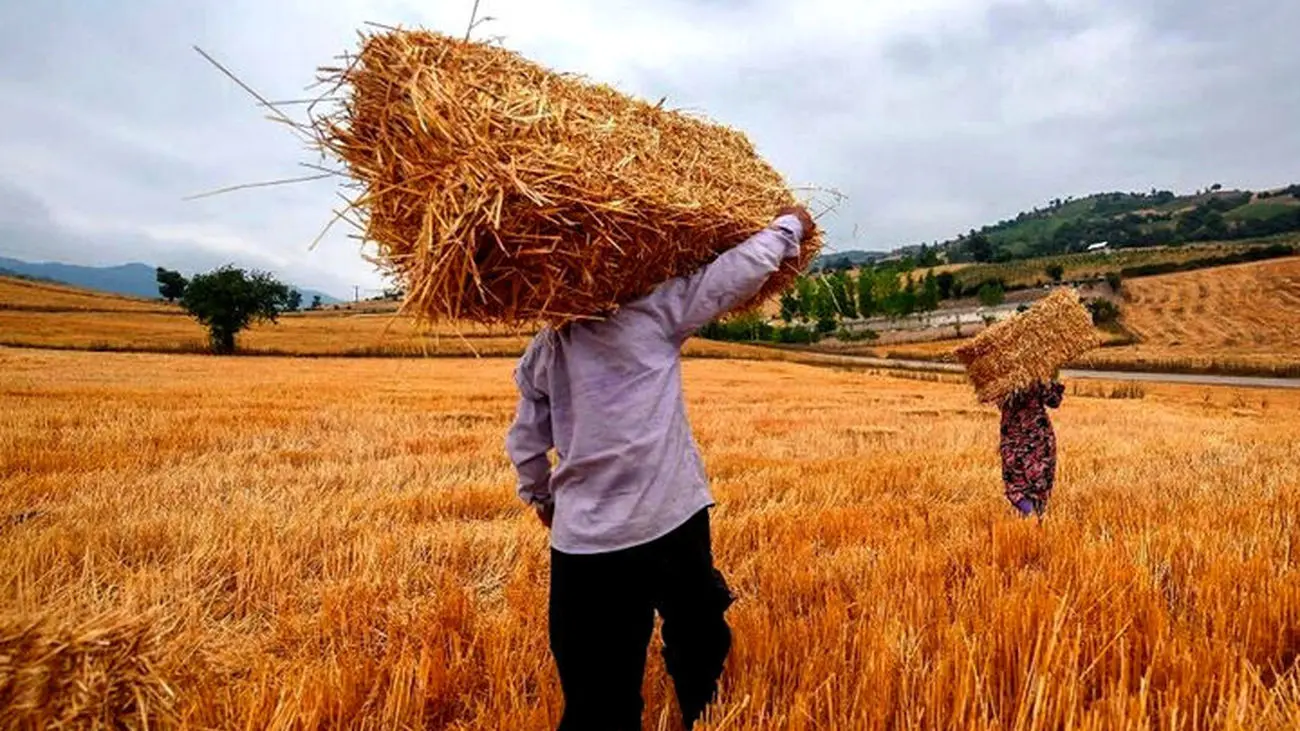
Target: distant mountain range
x=135 y=279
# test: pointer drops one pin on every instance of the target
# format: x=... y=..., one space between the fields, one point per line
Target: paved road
x=1203 y=380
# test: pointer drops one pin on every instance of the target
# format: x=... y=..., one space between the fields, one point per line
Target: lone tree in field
x=228 y=299
x=295 y=301
x=1055 y=271
x=171 y=285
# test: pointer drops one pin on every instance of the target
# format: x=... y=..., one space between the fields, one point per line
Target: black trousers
x=602 y=612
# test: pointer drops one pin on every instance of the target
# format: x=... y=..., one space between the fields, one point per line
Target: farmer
x=1029 y=446
x=627 y=503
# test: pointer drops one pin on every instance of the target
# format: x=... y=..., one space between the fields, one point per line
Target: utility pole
x=356 y=293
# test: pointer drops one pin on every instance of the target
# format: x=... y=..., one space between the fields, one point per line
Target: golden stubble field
x=298 y=544
x=1249 y=312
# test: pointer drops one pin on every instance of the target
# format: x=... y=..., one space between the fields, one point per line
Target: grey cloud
x=932 y=121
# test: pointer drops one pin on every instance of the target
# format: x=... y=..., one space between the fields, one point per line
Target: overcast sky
x=932 y=116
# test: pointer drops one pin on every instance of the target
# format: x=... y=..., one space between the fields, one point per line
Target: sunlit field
x=329 y=543
x=23 y=294
x=1248 y=312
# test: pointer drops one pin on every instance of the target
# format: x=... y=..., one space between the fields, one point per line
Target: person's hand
x=805 y=219
x=545 y=513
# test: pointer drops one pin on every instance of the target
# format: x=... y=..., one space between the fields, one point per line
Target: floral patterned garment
x=1029 y=445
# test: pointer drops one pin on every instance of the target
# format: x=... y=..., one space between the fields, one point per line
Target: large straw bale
x=1029 y=347
x=100 y=673
x=498 y=191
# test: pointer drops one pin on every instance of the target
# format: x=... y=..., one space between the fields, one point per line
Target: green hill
x=1122 y=220
x=1131 y=220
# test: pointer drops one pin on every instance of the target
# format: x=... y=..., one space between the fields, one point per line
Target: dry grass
x=21 y=294
x=335 y=544
x=1248 y=313
x=498 y=191
x=305 y=334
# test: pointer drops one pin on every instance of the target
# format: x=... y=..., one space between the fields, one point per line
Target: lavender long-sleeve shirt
x=607 y=396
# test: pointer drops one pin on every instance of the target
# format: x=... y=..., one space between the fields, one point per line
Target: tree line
x=878 y=292
x=842 y=295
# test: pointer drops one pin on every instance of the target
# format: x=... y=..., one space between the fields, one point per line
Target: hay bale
x=100 y=673
x=1029 y=347
x=498 y=191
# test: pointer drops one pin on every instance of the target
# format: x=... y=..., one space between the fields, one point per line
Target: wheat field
x=22 y=294
x=334 y=543
x=1247 y=310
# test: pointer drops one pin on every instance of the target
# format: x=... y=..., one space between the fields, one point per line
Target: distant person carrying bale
x=499 y=192
x=1029 y=446
x=1014 y=364
x=627 y=504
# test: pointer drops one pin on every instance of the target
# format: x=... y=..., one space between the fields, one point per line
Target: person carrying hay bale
x=1029 y=446
x=627 y=503
x=1014 y=364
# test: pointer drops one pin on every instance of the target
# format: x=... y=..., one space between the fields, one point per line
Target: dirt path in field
x=1195 y=379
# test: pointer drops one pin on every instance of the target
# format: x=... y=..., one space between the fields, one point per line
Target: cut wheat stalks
x=99 y=673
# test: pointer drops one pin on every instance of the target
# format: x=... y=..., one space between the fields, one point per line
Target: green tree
x=1215 y=226
x=294 y=303
x=789 y=305
x=841 y=292
x=1115 y=280
x=228 y=299
x=171 y=285
x=947 y=283
x=1055 y=271
x=867 y=305
x=929 y=299
x=992 y=294
x=907 y=300
x=315 y=302
x=1104 y=312
x=980 y=248
x=888 y=293
x=806 y=291
x=823 y=304
x=929 y=257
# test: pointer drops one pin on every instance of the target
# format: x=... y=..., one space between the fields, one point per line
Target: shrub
x=1104 y=312
x=992 y=294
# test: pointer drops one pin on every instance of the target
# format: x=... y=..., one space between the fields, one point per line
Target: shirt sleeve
x=686 y=304
x=529 y=440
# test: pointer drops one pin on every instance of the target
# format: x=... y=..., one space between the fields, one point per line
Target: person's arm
x=529 y=443
x=688 y=303
x=1055 y=394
